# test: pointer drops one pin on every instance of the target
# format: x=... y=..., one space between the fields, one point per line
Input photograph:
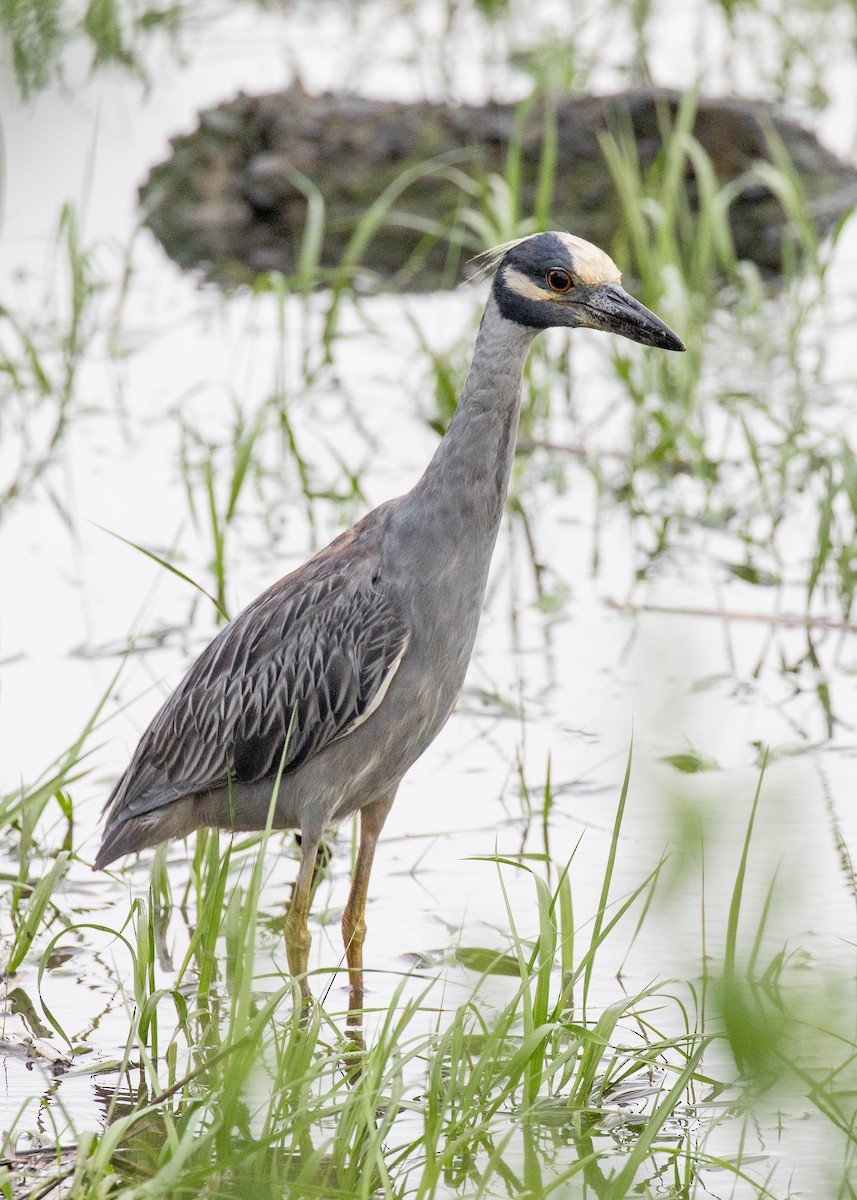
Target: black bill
x=611 y=308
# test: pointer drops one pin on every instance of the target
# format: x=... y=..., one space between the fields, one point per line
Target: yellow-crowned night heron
x=347 y=669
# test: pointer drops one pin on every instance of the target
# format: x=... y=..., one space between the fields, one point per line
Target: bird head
x=556 y=279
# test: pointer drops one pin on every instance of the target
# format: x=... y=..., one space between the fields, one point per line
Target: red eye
x=559 y=280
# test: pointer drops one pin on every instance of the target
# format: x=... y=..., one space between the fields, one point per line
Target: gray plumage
x=299 y=668
x=348 y=668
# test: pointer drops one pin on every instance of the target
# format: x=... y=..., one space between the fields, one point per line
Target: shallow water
x=564 y=691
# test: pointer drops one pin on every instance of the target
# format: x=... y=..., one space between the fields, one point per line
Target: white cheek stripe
x=519 y=283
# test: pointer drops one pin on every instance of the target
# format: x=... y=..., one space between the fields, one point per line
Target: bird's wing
x=303 y=665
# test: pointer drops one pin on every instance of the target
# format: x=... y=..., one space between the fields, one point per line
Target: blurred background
x=612 y=919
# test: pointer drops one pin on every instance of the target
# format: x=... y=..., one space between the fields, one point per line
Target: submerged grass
x=263 y=1096
x=222 y=1088
x=43 y=343
x=38 y=35
x=547 y=1079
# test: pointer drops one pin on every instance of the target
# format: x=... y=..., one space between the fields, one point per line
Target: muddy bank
x=233 y=198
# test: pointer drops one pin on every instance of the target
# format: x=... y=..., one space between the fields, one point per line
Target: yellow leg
x=298 y=938
x=372 y=819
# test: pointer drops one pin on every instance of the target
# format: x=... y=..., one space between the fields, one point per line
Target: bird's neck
x=469 y=473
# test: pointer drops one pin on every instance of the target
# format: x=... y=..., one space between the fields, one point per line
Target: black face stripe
x=534 y=314
x=533 y=259
x=538 y=254
x=528 y=285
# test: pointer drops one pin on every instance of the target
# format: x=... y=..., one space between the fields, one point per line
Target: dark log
x=232 y=199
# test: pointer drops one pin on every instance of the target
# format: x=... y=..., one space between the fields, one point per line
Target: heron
x=330 y=685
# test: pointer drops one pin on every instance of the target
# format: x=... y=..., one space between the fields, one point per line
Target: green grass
x=547 y=1075
x=43 y=342
x=490 y=1096
x=39 y=33
x=472 y=1106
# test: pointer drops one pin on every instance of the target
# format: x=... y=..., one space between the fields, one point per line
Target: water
x=564 y=691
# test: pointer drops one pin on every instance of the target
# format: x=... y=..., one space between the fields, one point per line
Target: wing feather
x=304 y=665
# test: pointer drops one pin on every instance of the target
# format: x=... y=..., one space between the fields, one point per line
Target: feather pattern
x=395 y=598
x=299 y=668
x=489 y=260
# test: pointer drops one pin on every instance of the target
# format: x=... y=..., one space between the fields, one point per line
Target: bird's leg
x=372 y=819
x=298 y=939
x=322 y=860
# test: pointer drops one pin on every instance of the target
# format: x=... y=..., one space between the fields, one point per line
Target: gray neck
x=469 y=475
